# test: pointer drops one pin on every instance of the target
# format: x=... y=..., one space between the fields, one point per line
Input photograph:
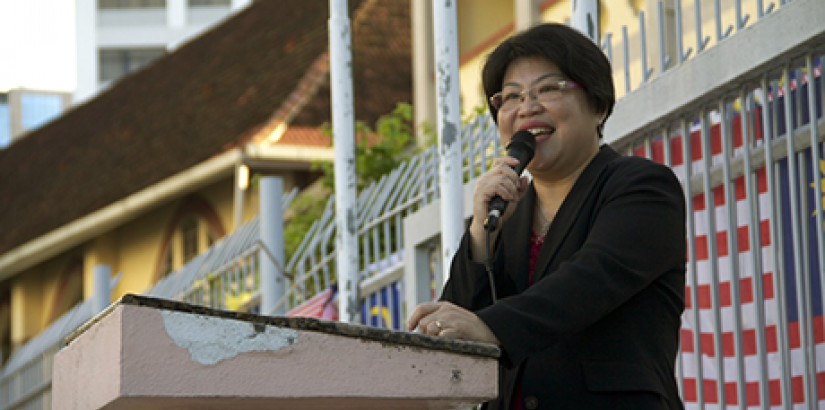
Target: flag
x=382 y=308
x=773 y=257
x=324 y=306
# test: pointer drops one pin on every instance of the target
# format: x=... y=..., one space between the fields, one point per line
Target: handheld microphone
x=522 y=147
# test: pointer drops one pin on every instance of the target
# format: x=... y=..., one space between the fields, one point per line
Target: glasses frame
x=496 y=100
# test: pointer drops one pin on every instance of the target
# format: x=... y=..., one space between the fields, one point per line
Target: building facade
x=117 y=37
x=23 y=110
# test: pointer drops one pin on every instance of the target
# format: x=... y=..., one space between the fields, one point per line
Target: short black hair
x=577 y=56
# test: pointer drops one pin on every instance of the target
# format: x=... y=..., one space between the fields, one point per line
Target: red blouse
x=535 y=246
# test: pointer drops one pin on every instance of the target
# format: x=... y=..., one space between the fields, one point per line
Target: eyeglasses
x=542 y=92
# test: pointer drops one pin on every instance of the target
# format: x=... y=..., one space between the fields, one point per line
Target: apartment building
x=117 y=37
x=23 y=110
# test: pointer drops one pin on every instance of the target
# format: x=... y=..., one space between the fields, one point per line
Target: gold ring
x=439 y=326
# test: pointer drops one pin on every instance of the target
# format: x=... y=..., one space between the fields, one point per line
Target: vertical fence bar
x=646 y=72
x=692 y=265
x=741 y=20
x=761 y=9
x=626 y=49
x=664 y=59
x=701 y=42
x=769 y=133
x=733 y=251
x=607 y=47
x=683 y=55
x=817 y=168
x=754 y=237
x=713 y=254
x=803 y=301
x=719 y=24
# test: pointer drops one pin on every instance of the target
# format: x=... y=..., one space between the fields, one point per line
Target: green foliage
x=306 y=208
x=377 y=151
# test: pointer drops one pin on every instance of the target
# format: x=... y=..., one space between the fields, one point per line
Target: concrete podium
x=146 y=353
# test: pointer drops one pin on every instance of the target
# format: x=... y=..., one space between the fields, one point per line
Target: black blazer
x=599 y=329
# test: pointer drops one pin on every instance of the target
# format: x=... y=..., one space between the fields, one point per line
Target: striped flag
x=324 y=306
x=709 y=353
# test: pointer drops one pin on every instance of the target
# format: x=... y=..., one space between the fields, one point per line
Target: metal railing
x=25 y=381
x=681 y=28
x=750 y=159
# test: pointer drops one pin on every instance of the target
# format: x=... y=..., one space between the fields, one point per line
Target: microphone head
x=522 y=147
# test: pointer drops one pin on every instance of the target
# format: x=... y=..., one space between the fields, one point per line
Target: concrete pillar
x=87 y=70
x=102 y=293
x=527 y=14
x=586 y=18
x=175 y=13
x=273 y=283
x=423 y=74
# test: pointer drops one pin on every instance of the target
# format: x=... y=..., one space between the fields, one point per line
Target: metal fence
x=751 y=163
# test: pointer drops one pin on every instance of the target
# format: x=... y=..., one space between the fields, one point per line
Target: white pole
x=527 y=14
x=273 y=285
x=343 y=129
x=586 y=18
x=102 y=275
x=423 y=66
x=449 y=130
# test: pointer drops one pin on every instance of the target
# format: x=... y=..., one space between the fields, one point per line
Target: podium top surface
x=307 y=324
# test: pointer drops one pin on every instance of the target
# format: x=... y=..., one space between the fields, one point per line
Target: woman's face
x=564 y=124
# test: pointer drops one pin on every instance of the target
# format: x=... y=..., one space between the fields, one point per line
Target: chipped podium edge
x=307 y=324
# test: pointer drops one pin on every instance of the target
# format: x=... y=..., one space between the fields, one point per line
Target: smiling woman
x=583 y=284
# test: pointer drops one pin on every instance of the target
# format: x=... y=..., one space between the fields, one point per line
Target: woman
x=589 y=259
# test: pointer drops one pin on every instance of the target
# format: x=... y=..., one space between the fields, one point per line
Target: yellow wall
x=479 y=19
x=33 y=294
x=132 y=250
x=482 y=23
x=141 y=242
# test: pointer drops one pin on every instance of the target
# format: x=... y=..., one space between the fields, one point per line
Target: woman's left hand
x=448 y=320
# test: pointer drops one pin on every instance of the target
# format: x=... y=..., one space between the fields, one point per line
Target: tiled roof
x=305 y=136
x=210 y=95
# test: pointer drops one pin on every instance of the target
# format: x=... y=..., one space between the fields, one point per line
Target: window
x=115 y=63
x=38 y=109
x=189 y=236
x=167 y=264
x=193 y=227
x=5 y=122
x=130 y=4
x=70 y=289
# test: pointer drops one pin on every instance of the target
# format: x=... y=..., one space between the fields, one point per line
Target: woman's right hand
x=500 y=180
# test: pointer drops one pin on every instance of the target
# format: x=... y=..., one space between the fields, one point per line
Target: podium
x=147 y=353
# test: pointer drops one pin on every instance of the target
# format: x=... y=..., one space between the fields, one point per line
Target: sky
x=37 y=44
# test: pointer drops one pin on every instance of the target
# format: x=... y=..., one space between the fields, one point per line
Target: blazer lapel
x=514 y=241
x=571 y=209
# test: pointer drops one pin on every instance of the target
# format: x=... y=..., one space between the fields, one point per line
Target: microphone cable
x=488 y=264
